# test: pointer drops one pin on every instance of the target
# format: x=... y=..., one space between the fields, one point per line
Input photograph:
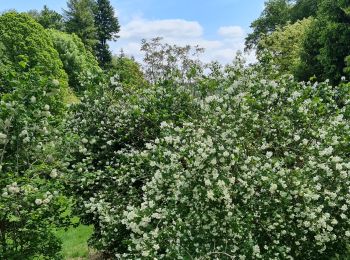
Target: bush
x=109 y=121
x=26 y=48
x=31 y=201
x=264 y=174
x=80 y=65
x=262 y=171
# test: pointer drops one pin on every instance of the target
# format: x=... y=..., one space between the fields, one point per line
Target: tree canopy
x=285 y=46
x=276 y=13
x=26 y=48
x=128 y=72
x=326 y=45
x=79 y=63
x=49 y=19
x=322 y=47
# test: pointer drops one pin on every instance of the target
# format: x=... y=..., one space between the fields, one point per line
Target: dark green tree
x=107 y=28
x=309 y=65
x=49 y=19
x=80 y=20
x=303 y=9
x=327 y=43
x=347 y=68
x=276 y=13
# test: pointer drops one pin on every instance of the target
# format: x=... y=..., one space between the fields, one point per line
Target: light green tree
x=26 y=48
x=285 y=46
x=79 y=63
x=33 y=85
x=128 y=72
x=278 y=13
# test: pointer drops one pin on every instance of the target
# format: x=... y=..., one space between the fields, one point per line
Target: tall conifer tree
x=80 y=20
x=107 y=28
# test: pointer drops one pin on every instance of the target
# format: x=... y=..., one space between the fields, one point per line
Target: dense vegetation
x=321 y=50
x=174 y=158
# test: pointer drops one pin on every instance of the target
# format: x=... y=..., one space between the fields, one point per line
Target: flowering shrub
x=261 y=171
x=31 y=201
x=263 y=175
x=113 y=119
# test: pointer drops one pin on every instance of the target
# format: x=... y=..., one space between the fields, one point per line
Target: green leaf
x=22 y=63
x=13 y=218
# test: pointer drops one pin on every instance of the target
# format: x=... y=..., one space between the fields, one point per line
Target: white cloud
x=230 y=39
x=231 y=32
x=141 y=28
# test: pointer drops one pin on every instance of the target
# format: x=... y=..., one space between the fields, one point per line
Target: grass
x=75 y=242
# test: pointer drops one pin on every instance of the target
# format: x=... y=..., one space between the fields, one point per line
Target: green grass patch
x=74 y=241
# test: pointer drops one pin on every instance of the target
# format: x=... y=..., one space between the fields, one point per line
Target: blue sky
x=217 y=25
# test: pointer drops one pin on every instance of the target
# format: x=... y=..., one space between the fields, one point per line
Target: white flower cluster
x=12 y=189
x=48 y=196
x=263 y=171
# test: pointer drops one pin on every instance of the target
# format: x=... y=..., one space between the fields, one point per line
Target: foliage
x=183 y=160
x=322 y=47
x=303 y=9
x=107 y=28
x=107 y=123
x=170 y=64
x=254 y=169
x=49 y=19
x=276 y=13
x=285 y=45
x=347 y=68
x=33 y=89
x=80 y=20
x=26 y=49
x=221 y=186
x=326 y=45
x=79 y=63
x=31 y=201
x=309 y=65
x=128 y=72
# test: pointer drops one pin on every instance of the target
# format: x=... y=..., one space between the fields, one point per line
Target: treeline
x=79 y=36
x=308 y=38
x=94 y=22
